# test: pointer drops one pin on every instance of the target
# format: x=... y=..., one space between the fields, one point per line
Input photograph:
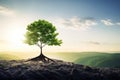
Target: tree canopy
x=42 y=33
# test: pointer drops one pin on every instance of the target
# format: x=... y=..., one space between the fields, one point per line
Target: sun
x=16 y=36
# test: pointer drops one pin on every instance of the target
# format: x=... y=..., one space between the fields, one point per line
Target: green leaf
x=42 y=31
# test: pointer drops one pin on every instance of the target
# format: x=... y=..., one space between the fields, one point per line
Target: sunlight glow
x=16 y=36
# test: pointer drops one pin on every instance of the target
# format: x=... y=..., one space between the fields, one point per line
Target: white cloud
x=107 y=22
x=6 y=11
x=93 y=42
x=118 y=23
x=76 y=22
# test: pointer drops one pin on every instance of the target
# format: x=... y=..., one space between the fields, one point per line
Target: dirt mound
x=58 y=70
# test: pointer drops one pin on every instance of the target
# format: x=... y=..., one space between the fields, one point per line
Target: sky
x=83 y=25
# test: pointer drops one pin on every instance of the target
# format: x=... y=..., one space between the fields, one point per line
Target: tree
x=42 y=33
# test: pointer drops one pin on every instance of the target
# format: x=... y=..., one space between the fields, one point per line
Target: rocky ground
x=58 y=70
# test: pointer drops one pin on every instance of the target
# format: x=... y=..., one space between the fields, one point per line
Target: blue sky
x=81 y=8
x=83 y=25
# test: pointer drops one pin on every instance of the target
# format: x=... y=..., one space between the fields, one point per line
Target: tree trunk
x=41 y=53
x=41 y=57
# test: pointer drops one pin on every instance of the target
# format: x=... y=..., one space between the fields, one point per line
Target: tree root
x=42 y=58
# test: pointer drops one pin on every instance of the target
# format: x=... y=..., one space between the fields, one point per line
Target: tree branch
x=41 y=44
x=38 y=44
x=44 y=45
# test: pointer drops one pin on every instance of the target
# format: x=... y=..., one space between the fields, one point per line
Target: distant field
x=104 y=60
x=8 y=57
x=73 y=56
x=94 y=59
x=16 y=55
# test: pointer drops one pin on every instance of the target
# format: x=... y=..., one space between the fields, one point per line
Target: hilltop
x=111 y=60
x=93 y=59
x=58 y=70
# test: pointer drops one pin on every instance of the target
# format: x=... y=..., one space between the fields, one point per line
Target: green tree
x=42 y=33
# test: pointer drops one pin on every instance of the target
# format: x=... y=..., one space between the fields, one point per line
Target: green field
x=73 y=56
x=104 y=60
x=94 y=59
x=8 y=57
